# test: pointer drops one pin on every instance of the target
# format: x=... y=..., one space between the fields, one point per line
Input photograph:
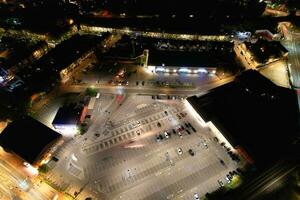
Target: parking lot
x=154 y=150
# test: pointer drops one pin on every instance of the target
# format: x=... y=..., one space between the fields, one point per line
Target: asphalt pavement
x=128 y=163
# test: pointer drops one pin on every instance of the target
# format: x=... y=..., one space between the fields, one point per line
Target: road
x=265 y=181
x=147 y=89
x=292 y=43
x=15 y=184
x=293 y=46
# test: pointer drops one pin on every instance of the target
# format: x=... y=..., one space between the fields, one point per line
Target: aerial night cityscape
x=149 y=100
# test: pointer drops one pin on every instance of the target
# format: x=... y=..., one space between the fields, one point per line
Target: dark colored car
x=161 y=137
x=158 y=124
x=54 y=159
x=194 y=129
x=222 y=162
x=186 y=125
x=191 y=152
x=88 y=116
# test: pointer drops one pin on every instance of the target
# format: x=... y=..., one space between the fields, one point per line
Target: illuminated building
x=67 y=118
x=259 y=53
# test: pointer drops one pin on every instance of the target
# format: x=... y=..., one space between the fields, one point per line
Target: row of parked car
x=179 y=130
x=229 y=176
x=233 y=156
x=180 y=152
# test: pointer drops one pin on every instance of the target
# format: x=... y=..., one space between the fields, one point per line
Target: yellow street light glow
x=71 y=21
x=33 y=171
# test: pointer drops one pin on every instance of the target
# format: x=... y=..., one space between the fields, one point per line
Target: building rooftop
x=67 y=115
x=188 y=59
x=13 y=51
x=44 y=73
x=27 y=138
x=188 y=53
x=172 y=52
x=67 y=52
x=253 y=112
x=263 y=50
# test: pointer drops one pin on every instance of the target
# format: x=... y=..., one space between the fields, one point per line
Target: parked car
x=157 y=138
x=180 y=135
x=186 y=125
x=220 y=183
x=166 y=134
x=173 y=130
x=222 y=162
x=196 y=196
x=228 y=179
x=179 y=150
x=191 y=152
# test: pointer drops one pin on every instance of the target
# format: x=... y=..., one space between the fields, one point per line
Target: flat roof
x=263 y=49
x=67 y=115
x=67 y=52
x=15 y=50
x=188 y=53
x=255 y=113
x=44 y=73
x=27 y=138
x=188 y=59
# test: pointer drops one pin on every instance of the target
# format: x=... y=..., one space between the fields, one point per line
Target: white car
x=228 y=180
x=166 y=135
x=196 y=196
x=179 y=150
x=179 y=133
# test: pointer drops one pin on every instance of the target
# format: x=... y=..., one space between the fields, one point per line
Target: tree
x=44 y=168
x=91 y=92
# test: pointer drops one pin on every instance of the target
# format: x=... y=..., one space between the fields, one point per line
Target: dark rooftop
x=44 y=73
x=263 y=50
x=67 y=115
x=173 y=52
x=254 y=113
x=186 y=53
x=18 y=50
x=27 y=138
x=67 y=52
x=188 y=59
